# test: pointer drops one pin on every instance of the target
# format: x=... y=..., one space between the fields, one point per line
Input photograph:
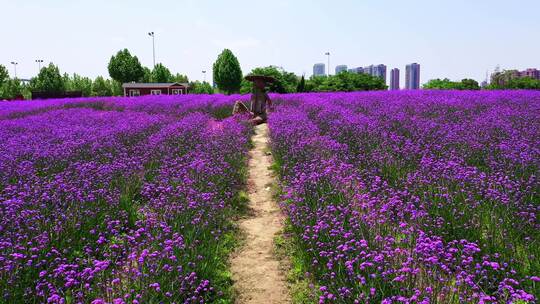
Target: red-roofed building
x=157 y=88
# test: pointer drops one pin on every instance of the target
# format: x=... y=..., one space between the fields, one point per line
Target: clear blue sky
x=454 y=39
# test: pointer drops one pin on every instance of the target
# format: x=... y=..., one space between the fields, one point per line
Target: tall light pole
x=151 y=34
x=328 y=54
x=39 y=62
x=15 y=67
x=204 y=75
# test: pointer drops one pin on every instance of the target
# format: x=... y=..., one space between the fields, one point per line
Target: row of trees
x=123 y=67
x=447 y=84
x=229 y=79
x=510 y=79
x=497 y=83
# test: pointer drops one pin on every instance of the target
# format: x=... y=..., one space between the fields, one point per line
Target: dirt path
x=255 y=268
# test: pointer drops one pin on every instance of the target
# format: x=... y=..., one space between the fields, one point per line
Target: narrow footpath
x=255 y=268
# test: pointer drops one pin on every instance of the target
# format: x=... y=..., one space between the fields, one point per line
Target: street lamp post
x=204 y=76
x=151 y=34
x=39 y=62
x=15 y=67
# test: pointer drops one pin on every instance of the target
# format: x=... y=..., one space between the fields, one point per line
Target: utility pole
x=151 y=34
x=328 y=54
x=15 y=67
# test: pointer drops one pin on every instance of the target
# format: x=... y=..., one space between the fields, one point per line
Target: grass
x=290 y=255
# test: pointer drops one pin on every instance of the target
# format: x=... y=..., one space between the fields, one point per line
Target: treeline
x=123 y=67
x=499 y=81
x=447 y=84
x=229 y=79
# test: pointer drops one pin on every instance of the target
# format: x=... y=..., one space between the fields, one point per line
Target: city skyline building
x=378 y=70
x=341 y=68
x=358 y=70
x=319 y=69
x=394 y=79
x=532 y=73
x=412 y=76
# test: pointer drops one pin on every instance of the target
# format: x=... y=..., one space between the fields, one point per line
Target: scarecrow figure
x=259 y=100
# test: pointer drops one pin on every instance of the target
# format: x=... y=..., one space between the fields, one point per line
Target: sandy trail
x=256 y=270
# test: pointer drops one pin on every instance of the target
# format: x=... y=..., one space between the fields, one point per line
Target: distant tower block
x=319 y=69
x=340 y=68
x=412 y=76
x=394 y=79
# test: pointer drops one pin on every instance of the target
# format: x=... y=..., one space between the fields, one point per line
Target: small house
x=158 y=88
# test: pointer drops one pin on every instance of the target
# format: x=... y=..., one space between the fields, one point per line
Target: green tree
x=49 y=80
x=447 y=84
x=301 y=85
x=524 y=83
x=345 y=82
x=161 y=73
x=101 y=87
x=198 y=87
x=469 y=84
x=4 y=75
x=117 y=89
x=227 y=72
x=147 y=75
x=11 y=88
x=180 y=78
x=285 y=82
x=78 y=83
x=125 y=68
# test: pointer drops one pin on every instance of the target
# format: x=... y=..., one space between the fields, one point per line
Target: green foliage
x=147 y=75
x=345 y=82
x=49 y=80
x=125 y=68
x=447 y=84
x=4 y=75
x=180 y=78
x=161 y=73
x=301 y=85
x=117 y=88
x=469 y=84
x=12 y=88
x=525 y=83
x=198 y=87
x=102 y=87
x=78 y=83
x=286 y=82
x=227 y=72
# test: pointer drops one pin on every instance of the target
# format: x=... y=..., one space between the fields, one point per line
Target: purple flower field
x=413 y=197
x=118 y=200
x=390 y=197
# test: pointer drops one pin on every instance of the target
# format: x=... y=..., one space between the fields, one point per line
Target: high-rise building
x=412 y=76
x=359 y=70
x=340 y=68
x=368 y=70
x=532 y=73
x=376 y=70
x=394 y=79
x=380 y=71
x=319 y=69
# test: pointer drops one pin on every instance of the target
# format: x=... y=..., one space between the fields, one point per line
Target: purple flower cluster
x=117 y=200
x=413 y=197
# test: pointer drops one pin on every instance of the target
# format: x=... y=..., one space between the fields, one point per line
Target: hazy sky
x=449 y=38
